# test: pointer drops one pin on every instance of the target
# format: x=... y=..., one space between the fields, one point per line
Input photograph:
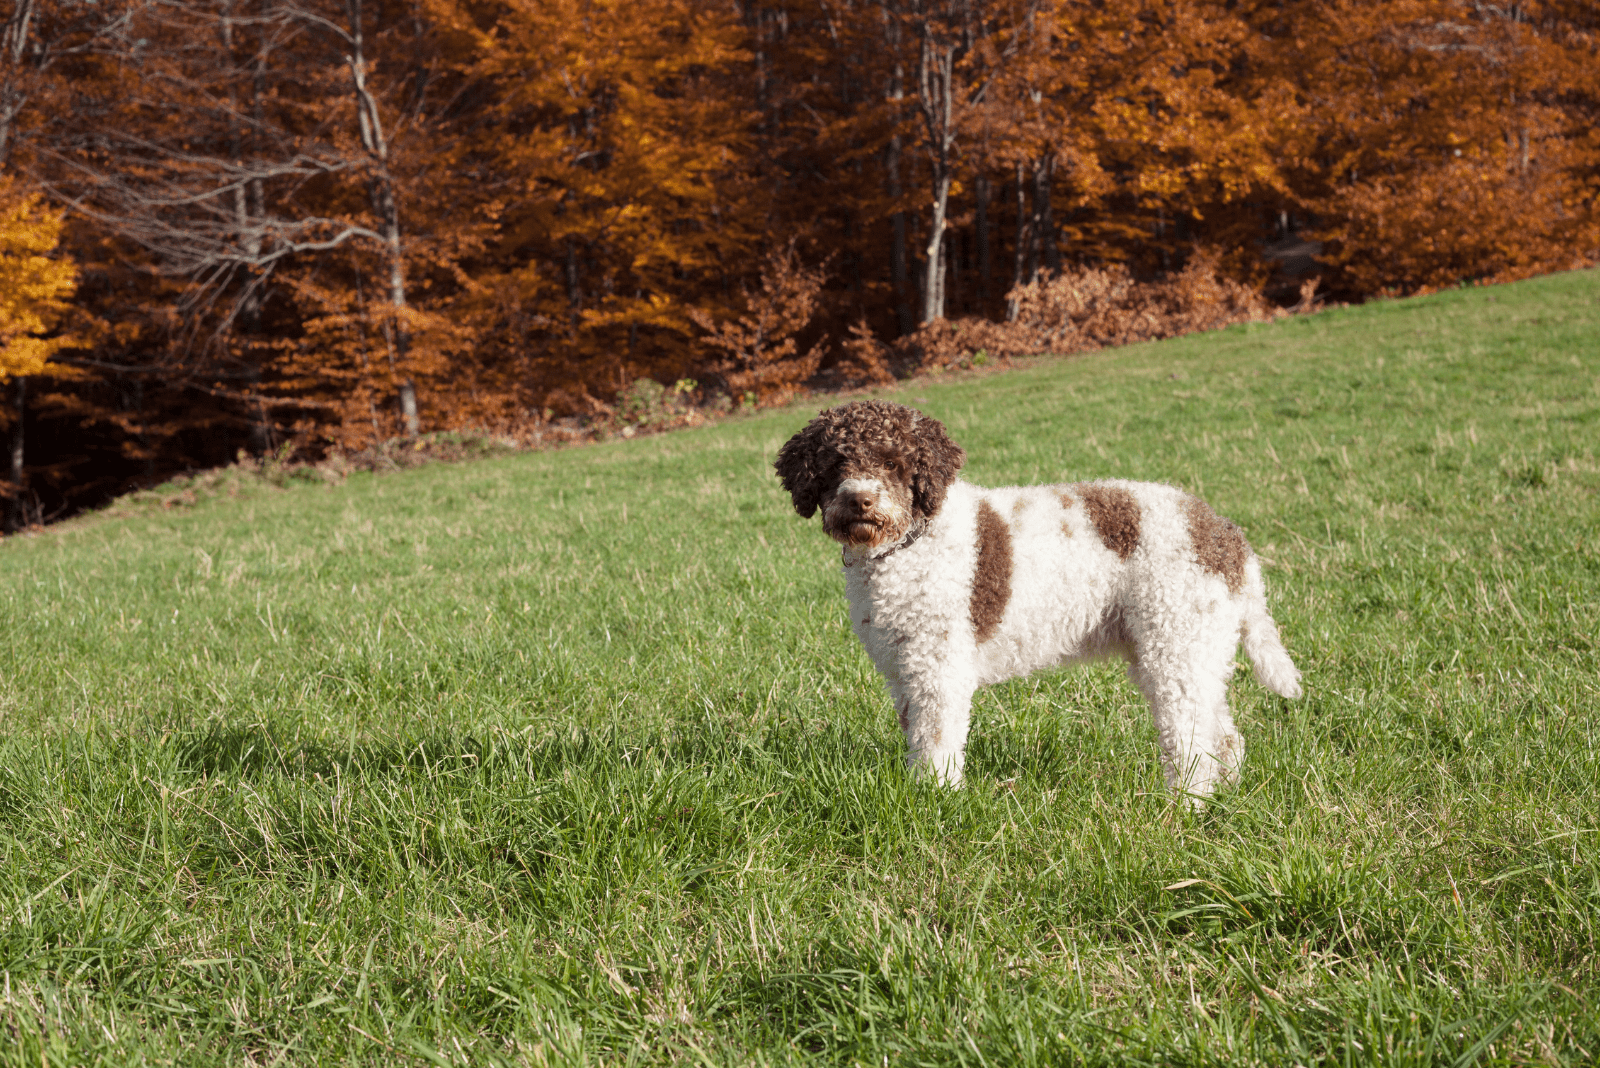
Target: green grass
x=571 y=757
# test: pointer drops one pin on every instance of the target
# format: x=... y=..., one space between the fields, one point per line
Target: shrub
x=758 y=352
x=1088 y=308
x=864 y=360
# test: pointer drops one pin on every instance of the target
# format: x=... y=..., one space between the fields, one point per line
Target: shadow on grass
x=258 y=751
x=1043 y=754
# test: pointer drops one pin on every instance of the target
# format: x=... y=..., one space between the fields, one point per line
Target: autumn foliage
x=1081 y=309
x=34 y=286
x=323 y=225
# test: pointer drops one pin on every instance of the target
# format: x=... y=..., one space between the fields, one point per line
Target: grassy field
x=571 y=757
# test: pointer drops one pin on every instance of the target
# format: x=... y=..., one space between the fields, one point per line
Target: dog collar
x=912 y=535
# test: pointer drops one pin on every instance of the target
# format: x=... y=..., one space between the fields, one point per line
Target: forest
x=308 y=227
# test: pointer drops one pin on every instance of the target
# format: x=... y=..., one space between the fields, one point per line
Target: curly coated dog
x=953 y=586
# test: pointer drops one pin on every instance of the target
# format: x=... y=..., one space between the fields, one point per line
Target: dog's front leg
x=935 y=713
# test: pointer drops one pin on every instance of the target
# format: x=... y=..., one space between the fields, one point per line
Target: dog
x=953 y=586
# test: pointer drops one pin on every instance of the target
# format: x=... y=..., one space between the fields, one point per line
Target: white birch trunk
x=388 y=211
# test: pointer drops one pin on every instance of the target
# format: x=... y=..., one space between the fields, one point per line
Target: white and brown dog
x=953 y=586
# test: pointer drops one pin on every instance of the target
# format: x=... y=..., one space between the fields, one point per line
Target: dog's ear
x=797 y=466
x=938 y=459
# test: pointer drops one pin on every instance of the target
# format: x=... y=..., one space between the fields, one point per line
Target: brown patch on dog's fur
x=1219 y=544
x=991 y=582
x=1116 y=516
x=1066 y=500
x=1018 y=507
x=1066 y=530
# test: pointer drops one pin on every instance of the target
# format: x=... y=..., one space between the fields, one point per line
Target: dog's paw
x=944 y=768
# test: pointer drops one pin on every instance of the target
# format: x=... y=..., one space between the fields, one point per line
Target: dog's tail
x=1274 y=669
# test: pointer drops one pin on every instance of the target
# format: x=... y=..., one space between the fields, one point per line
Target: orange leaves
x=34 y=285
x=1087 y=308
x=758 y=352
x=338 y=223
x=615 y=137
x=1441 y=140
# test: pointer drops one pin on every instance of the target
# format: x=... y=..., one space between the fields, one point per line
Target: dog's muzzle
x=856 y=518
x=862 y=513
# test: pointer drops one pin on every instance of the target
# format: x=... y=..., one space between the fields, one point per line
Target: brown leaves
x=569 y=196
x=864 y=360
x=759 y=351
x=1088 y=308
x=1444 y=141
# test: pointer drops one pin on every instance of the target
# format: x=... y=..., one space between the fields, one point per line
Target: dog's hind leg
x=1186 y=683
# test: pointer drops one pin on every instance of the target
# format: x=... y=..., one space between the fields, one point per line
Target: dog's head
x=874 y=468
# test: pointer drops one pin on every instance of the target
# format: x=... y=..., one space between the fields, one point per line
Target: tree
x=611 y=143
x=962 y=46
x=241 y=157
x=336 y=222
x=35 y=288
x=1441 y=140
x=34 y=285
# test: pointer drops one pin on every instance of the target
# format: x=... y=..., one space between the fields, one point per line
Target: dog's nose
x=860 y=502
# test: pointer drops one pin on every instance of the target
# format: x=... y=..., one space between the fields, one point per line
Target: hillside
x=572 y=756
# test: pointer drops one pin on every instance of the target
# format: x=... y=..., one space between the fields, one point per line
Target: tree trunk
x=1036 y=228
x=17 y=511
x=936 y=97
x=1161 y=237
x=248 y=208
x=255 y=195
x=898 y=271
x=898 y=267
x=1020 y=258
x=981 y=224
x=397 y=298
x=955 y=260
x=13 y=44
x=387 y=208
x=13 y=96
x=900 y=253
x=1043 y=179
x=574 y=288
x=933 y=292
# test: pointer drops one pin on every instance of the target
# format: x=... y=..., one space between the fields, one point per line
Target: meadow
x=571 y=757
